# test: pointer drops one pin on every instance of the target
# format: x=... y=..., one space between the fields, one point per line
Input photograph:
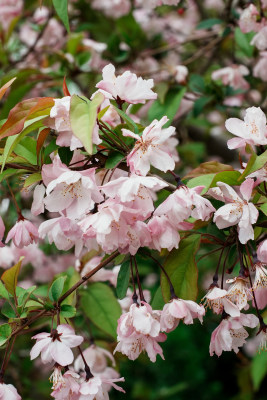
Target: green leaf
x=67 y=311
x=243 y=42
x=181 y=267
x=33 y=178
x=259 y=369
x=61 y=7
x=259 y=163
x=65 y=155
x=204 y=180
x=229 y=177
x=10 y=277
x=197 y=83
x=8 y=311
x=101 y=307
x=123 y=279
x=249 y=166
x=263 y=208
x=5 y=332
x=56 y=288
x=169 y=107
x=200 y=103
x=131 y=124
x=113 y=158
x=158 y=301
x=27 y=148
x=83 y=115
x=209 y=23
x=3 y=292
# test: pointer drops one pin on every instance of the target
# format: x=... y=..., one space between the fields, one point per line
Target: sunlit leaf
x=10 y=277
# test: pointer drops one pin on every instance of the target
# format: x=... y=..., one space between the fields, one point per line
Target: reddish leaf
x=18 y=115
x=41 y=139
x=65 y=88
x=208 y=167
x=4 y=88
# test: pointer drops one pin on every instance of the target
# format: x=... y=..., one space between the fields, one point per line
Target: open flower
x=217 y=300
x=262 y=251
x=94 y=388
x=23 y=233
x=238 y=211
x=260 y=285
x=252 y=130
x=67 y=387
x=230 y=334
x=97 y=359
x=151 y=148
x=177 y=310
x=139 y=330
x=126 y=87
x=8 y=392
x=56 y=345
x=239 y=292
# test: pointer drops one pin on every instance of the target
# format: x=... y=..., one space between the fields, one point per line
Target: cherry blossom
x=97 y=359
x=163 y=234
x=73 y=192
x=126 y=87
x=181 y=72
x=260 y=39
x=67 y=387
x=94 y=388
x=9 y=9
x=23 y=233
x=112 y=8
x=8 y=392
x=252 y=130
x=230 y=334
x=239 y=292
x=262 y=251
x=151 y=148
x=139 y=330
x=260 y=285
x=260 y=67
x=217 y=300
x=56 y=345
x=2 y=231
x=238 y=210
x=232 y=76
x=38 y=200
x=248 y=19
x=177 y=310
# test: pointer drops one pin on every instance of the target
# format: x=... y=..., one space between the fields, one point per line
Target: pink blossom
x=8 y=392
x=2 y=231
x=260 y=285
x=260 y=175
x=260 y=67
x=239 y=292
x=248 y=19
x=38 y=200
x=112 y=8
x=56 y=346
x=51 y=172
x=178 y=309
x=68 y=387
x=126 y=87
x=64 y=232
x=94 y=388
x=230 y=334
x=9 y=9
x=151 y=148
x=232 y=76
x=73 y=192
x=262 y=251
x=23 y=233
x=97 y=359
x=260 y=39
x=238 y=210
x=139 y=330
x=181 y=72
x=163 y=234
x=217 y=300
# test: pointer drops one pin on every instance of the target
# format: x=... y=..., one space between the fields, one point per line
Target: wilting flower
x=23 y=233
x=56 y=345
x=95 y=388
x=238 y=211
x=239 y=292
x=260 y=285
x=8 y=392
x=126 y=87
x=177 y=310
x=151 y=148
x=67 y=387
x=217 y=300
x=139 y=330
x=230 y=334
x=252 y=130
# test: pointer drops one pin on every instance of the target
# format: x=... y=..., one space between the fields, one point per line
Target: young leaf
x=41 y=139
x=123 y=279
x=4 y=88
x=61 y=7
x=101 y=307
x=83 y=116
x=67 y=311
x=10 y=277
x=65 y=88
x=3 y=292
x=181 y=267
x=56 y=288
x=5 y=332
